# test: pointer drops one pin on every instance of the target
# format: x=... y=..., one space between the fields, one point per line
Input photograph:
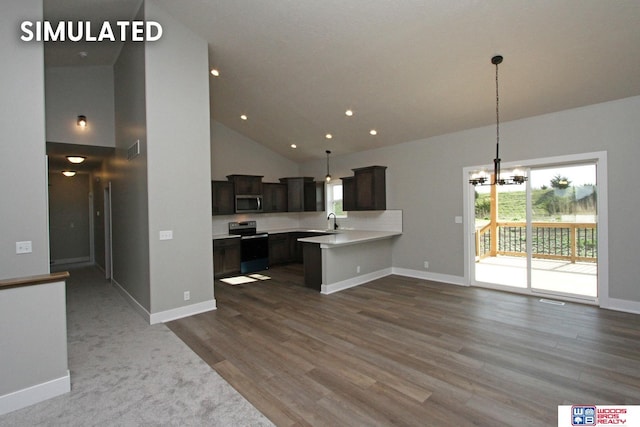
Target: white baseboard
x=425 y=275
x=35 y=394
x=354 y=281
x=167 y=315
x=131 y=300
x=180 y=312
x=620 y=305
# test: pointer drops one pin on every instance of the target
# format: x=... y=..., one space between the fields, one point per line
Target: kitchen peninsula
x=345 y=259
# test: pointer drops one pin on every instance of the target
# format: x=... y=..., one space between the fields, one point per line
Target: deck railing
x=571 y=241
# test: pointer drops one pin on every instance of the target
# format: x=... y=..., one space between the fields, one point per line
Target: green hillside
x=547 y=203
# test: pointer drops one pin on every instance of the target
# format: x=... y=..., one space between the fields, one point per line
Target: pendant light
x=517 y=177
x=328 y=176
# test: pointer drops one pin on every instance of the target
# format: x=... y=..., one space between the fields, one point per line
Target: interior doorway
x=544 y=236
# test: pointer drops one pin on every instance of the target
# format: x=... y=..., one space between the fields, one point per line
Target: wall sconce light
x=76 y=159
x=328 y=176
x=82 y=121
x=68 y=173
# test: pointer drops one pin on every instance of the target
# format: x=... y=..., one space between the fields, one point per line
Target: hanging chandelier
x=481 y=178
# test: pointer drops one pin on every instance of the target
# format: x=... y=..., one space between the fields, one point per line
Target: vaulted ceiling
x=409 y=69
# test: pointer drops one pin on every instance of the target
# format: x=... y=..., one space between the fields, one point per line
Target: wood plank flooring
x=402 y=351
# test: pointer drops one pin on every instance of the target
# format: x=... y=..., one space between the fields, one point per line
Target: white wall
x=232 y=153
x=178 y=167
x=23 y=169
x=74 y=91
x=424 y=179
x=129 y=195
x=30 y=356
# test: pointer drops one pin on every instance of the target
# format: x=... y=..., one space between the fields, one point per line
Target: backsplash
x=389 y=220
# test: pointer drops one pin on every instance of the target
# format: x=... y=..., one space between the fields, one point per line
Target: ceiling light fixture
x=373 y=132
x=328 y=136
x=82 y=121
x=244 y=117
x=349 y=113
x=481 y=178
x=68 y=173
x=328 y=176
x=76 y=159
x=215 y=72
x=294 y=146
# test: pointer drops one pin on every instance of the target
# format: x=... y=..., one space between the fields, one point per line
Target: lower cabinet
x=226 y=257
x=312 y=257
x=296 y=247
x=279 y=249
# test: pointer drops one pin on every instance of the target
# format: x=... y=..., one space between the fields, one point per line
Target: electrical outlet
x=426 y=265
x=24 y=247
x=358 y=269
x=187 y=295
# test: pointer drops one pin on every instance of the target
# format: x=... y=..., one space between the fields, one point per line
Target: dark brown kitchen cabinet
x=246 y=184
x=226 y=256
x=319 y=196
x=279 y=248
x=366 y=191
x=348 y=194
x=222 y=199
x=302 y=194
x=275 y=197
x=296 y=247
x=312 y=260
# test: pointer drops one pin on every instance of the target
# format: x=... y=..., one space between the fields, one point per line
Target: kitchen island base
x=332 y=267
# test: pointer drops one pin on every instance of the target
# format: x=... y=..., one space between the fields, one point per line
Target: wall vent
x=134 y=150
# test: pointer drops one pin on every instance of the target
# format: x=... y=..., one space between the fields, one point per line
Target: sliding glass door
x=540 y=236
x=564 y=230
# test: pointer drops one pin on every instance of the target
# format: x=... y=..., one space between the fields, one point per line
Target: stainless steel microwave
x=248 y=203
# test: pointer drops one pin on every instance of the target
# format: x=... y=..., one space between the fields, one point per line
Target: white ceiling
x=410 y=69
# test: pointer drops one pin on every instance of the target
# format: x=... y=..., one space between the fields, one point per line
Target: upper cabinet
x=299 y=194
x=304 y=194
x=275 y=197
x=222 y=198
x=348 y=193
x=246 y=184
x=366 y=190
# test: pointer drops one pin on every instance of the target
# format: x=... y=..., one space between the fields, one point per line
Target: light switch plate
x=166 y=235
x=24 y=247
x=458 y=220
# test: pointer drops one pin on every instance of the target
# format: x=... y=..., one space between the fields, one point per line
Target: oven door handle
x=255 y=236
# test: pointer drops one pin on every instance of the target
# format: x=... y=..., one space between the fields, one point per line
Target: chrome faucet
x=335 y=220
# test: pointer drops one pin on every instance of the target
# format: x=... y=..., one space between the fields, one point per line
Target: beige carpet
x=125 y=372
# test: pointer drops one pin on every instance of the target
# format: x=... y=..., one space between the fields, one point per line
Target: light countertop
x=352 y=237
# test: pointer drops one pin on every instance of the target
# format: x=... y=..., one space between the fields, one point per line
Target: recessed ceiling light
x=215 y=72
x=294 y=146
x=328 y=136
x=243 y=117
x=373 y=132
x=349 y=113
x=68 y=173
